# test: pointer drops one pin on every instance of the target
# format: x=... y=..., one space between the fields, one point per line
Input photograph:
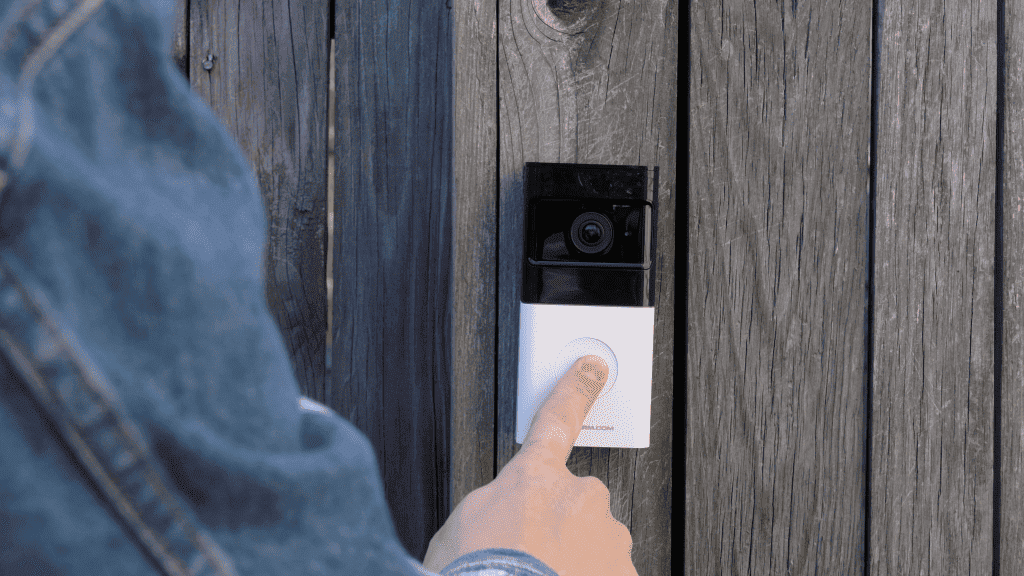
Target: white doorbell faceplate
x=553 y=336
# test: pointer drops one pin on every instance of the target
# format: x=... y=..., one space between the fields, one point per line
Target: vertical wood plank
x=268 y=84
x=779 y=141
x=932 y=444
x=1011 y=515
x=179 y=44
x=391 y=344
x=474 y=317
x=593 y=82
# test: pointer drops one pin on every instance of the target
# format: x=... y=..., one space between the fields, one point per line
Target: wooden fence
x=438 y=108
x=855 y=361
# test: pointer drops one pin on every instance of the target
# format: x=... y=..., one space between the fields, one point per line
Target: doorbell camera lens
x=588 y=232
x=592 y=233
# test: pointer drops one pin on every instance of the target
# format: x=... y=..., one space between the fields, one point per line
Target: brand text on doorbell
x=588 y=288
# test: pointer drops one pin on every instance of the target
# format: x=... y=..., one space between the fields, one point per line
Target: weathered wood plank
x=593 y=82
x=779 y=141
x=932 y=444
x=179 y=43
x=1011 y=515
x=391 y=345
x=474 y=312
x=267 y=81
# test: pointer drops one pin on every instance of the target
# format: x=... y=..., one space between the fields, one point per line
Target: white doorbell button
x=581 y=347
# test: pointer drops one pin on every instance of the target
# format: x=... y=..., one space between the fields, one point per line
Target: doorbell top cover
x=590 y=235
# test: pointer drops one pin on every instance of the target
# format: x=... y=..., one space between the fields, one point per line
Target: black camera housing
x=590 y=234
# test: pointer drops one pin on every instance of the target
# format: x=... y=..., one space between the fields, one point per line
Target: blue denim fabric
x=497 y=562
x=149 y=417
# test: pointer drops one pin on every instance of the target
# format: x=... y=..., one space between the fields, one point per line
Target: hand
x=536 y=505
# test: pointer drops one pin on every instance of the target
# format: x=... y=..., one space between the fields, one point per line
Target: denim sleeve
x=497 y=562
x=150 y=420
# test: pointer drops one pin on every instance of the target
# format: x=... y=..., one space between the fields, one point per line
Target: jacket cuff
x=497 y=562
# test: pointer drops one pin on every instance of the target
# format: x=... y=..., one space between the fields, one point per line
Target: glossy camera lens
x=592 y=233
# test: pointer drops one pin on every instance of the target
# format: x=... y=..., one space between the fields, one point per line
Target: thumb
x=557 y=423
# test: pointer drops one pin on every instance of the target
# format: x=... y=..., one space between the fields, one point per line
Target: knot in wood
x=566 y=16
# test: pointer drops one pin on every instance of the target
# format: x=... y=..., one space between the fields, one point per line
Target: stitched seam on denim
x=86 y=411
x=34 y=64
x=12 y=31
x=20 y=25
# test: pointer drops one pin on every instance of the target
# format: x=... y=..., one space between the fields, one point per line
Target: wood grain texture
x=1011 y=534
x=391 y=345
x=779 y=141
x=593 y=82
x=268 y=84
x=475 y=248
x=932 y=444
x=179 y=43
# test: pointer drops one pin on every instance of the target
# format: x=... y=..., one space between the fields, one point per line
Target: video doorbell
x=588 y=288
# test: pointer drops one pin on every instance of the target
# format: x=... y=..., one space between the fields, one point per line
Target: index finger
x=557 y=423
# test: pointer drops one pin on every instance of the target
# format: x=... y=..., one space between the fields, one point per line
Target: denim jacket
x=150 y=422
